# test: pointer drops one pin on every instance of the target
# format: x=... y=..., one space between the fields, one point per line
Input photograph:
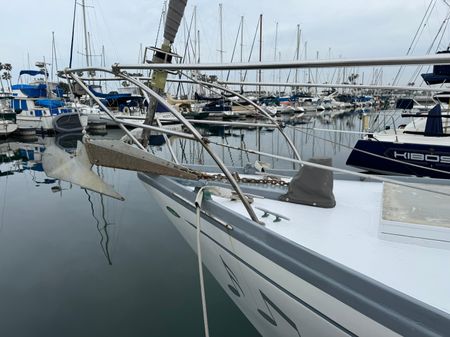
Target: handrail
x=292 y=84
x=333 y=63
x=184 y=121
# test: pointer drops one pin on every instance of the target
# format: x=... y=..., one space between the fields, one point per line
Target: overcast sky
x=349 y=28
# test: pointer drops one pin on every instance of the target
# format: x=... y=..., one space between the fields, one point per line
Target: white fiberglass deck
x=408 y=138
x=349 y=234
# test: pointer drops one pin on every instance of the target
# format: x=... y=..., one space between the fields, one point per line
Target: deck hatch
x=416 y=216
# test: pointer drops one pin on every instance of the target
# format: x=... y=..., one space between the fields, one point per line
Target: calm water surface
x=73 y=263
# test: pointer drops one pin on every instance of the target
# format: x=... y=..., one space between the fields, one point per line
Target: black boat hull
x=376 y=156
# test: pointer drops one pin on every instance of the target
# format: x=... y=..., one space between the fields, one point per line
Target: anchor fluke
x=76 y=169
x=117 y=154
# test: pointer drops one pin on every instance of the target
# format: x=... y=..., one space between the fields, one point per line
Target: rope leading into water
x=198 y=204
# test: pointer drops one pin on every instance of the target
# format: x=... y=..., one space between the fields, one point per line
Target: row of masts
x=344 y=75
x=192 y=54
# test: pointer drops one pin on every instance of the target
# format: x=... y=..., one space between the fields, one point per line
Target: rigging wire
x=441 y=33
x=73 y=33
x=161 y=19
x=419 y=31
x=234 y=48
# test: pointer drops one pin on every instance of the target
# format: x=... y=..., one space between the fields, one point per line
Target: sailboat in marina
x=421 y=147
x=315 y=251
x=39 y=104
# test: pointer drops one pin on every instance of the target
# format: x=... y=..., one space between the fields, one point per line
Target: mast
x=260 y=51
x=73 y=33
x=279 y=72
x=195 y=34
x=198 y=41
x=242 y=50
x=89 y=49
x=221 y=36
x=275 y=49
x=306 y=57
x=317 y=71
x=104 y=63
x=329 y=57
x=221 y=33
x=297 y=56
x=86 y=43
x=53 y=54
x=47 y=88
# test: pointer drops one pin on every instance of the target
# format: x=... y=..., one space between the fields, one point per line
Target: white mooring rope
x=198 y=204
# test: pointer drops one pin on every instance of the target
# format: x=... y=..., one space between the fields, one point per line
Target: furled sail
x=173 y=19
x=164 y=55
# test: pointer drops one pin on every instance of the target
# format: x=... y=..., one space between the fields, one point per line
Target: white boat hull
x=100 y=117
x=44 y=123
x=276 y=302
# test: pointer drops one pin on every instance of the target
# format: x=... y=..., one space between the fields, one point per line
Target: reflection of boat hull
x=283 y=288
x=426 y=155
x=68 y=141
x=6 y=128
x=47 y=123
x=157 y=140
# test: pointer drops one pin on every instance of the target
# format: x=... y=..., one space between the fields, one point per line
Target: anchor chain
x=267 y=180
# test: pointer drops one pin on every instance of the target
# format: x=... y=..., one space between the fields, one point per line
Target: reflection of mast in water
x=273 y=149
x=183 y=151
x=314 y=140
x=229 y=152
x=241 y=138
x=103 y=231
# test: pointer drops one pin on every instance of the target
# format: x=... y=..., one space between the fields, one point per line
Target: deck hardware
x=278 y=217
